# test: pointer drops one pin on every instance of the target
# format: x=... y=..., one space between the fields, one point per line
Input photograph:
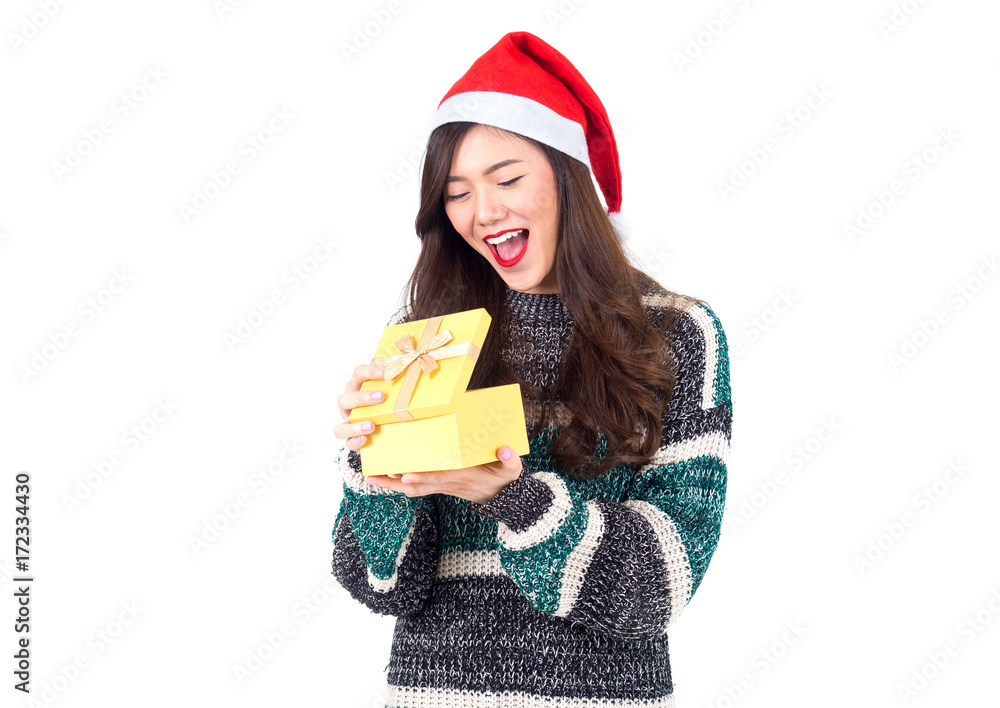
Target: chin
x=519 y=284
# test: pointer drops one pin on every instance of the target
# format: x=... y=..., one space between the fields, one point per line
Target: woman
x=548 y=579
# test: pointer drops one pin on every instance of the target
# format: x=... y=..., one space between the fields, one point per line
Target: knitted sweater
x=559 y=591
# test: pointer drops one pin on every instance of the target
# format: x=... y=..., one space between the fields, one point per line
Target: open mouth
x=508 y=246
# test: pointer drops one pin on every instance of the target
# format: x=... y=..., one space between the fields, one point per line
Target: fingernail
x=368 y=427
x=370 y=481
x=360 y=439
x=505 y=454
x=376 y=395
x=407 y=480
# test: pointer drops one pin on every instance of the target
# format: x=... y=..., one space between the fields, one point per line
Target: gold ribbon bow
x=420 y=358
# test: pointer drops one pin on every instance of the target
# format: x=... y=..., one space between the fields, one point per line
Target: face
x=500 y=195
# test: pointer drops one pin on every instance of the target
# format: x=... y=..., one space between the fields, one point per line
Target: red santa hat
x=525 y=86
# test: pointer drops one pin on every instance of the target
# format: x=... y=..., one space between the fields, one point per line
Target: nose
x=489 y=208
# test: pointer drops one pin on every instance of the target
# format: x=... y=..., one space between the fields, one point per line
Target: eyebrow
x=488 y=171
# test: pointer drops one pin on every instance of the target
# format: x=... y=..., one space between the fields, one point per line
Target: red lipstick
x=507 y=263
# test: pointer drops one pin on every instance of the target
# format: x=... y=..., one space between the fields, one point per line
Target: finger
x=349 y=401
x=509 y=460
x=352 y=430
x=425 y=478
x=362 y=373
x=397 y=485
x=510 y=468
x=356 y=443
x=352 y=396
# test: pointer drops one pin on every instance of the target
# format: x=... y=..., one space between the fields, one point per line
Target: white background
x=814 y=317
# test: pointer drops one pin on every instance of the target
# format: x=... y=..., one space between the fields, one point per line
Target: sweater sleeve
x=627 y=568
x=385 y=544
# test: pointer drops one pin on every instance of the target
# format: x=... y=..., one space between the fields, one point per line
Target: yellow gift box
x=427 y=420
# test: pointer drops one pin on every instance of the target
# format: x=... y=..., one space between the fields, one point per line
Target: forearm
x=626 y=570
x=385 y=544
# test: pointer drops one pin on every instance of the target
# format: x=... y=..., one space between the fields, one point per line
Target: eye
x=510 y=183
x=455 y=197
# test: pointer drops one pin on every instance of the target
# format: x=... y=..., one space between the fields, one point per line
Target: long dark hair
x=616 y=376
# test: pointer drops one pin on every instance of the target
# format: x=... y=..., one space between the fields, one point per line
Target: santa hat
x=525 y=86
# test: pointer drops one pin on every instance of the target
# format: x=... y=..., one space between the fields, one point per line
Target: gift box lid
x=432 y=358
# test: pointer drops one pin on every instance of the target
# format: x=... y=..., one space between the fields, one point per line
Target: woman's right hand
x=357 y=433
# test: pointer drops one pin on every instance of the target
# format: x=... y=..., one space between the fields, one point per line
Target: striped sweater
x=559 y=591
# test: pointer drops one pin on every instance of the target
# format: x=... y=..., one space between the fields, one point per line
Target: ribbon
x=422 y=358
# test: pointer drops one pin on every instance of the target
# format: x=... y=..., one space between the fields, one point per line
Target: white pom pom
x=622 y=224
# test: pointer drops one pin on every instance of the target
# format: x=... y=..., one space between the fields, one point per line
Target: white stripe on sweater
x=710 y=445
x=468 y=564
x=675 y=557
x=579 y=560
x=547 y=524
x=707 y=326
x=357 y=482
x=353 y=480
x=405 y=697
x=384 y=585
x=673 y=302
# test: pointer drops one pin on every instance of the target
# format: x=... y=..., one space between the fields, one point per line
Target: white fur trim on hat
x=622 y=224
x=518 y=115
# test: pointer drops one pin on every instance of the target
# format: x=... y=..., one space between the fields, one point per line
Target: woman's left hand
x=476 y=484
